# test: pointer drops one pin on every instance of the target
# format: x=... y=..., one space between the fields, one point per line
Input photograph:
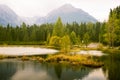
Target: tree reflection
x=112 y=67
x=7 y=69
x=58 y=70
x=66 y=72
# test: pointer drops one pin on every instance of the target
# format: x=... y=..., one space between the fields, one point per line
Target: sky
x=31 y=8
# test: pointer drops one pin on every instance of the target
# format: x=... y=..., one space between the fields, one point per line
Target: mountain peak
x=67 y=6
x=69 y=14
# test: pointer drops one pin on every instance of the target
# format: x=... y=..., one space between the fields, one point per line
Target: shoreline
x=72 y=60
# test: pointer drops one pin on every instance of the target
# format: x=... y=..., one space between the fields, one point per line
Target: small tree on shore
x=86 y=39
x=55 y=41
x=65 y=43
x=73 y=38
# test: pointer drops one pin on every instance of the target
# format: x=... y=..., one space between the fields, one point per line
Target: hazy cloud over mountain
x=67 y=12
x=30 y=8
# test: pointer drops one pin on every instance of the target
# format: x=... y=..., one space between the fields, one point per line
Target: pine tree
x=58 y=28
x=73 y=38
x=86 y=39
x=65 y=43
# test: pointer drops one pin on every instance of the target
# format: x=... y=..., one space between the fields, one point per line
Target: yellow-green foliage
x=55 y=41
x=65 y=43
x=62 y=43
x=63 y=57
x=40 y=59
x=92 y=63
x=33 y=58
x=2 y=56
x=100 y=46
x=25 y=58
x=74 y=60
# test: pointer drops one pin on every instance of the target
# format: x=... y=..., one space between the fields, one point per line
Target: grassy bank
x=73 y=60
x=22 y=43
x=111 y=51
x=2 y=57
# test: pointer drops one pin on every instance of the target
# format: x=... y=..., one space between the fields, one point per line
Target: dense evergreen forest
x=59 y=34
x=39 y=33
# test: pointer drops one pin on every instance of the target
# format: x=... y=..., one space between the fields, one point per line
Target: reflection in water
x=112 y=68
x=6 y=70
x=94 y=75
x=58 y=70
x=19 y=70
x=114 y=71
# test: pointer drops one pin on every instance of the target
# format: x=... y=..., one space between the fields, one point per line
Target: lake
x=22 y=50
x=91 y=52
x=13 y=69
x=29 y=70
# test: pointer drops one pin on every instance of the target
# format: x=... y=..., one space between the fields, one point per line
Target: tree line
x=59 y=34
x=40 y=33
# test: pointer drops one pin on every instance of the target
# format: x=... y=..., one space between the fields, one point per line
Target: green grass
x=22 y=43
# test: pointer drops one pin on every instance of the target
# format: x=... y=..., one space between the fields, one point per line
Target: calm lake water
x=12 y=69
x=29 y=70
x=19 y=70
x=91 y=52
x=22 y=50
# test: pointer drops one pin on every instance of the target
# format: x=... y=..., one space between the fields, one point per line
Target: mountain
x=7 y=15
x=30 y=20
x=68 y=14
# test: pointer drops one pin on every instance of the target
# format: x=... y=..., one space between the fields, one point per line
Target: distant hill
x=67 y=12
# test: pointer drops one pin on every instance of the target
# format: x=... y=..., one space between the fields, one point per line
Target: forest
x=65 y=35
